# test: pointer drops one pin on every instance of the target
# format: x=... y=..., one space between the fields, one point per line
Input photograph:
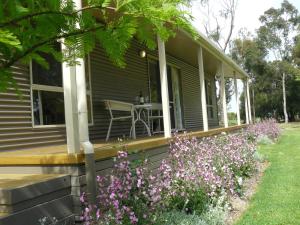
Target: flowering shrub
x=211 y=164
x=266 y=128
x=194 y=173
x=124 y=197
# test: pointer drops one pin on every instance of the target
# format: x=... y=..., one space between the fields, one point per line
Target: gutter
x=213 y=49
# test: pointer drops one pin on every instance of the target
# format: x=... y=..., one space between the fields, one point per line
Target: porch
x=58 y=155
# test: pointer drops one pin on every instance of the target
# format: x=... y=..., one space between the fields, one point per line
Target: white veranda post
x=164 y=87
x=237 y=100
x=71 y=107
x=202 y=89
x=246 y=103
x=80 y=126
x=223 y=96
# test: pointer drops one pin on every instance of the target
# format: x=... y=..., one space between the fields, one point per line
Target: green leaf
x=8 y=38
x=106 y=3
x=40 y=60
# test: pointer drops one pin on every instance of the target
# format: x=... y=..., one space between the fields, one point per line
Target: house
x=46 y=136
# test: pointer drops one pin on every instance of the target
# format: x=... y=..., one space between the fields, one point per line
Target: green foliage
x=195 y=204
x=214 y=214
x=264 y=140
x=28 y=28
x=180 y=218
x=273 y=51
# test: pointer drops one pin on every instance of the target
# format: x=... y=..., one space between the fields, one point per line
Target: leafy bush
x=125 y=196
x=268 y=127
x=214 y=215
x=179 y=218
x=212 y=164
x=264 y=140
x=192 y=181
x=195 y=203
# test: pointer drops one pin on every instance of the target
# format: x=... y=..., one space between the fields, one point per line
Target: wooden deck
x=58 y=155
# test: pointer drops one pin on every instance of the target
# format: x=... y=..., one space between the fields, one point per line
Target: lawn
x=277 y=200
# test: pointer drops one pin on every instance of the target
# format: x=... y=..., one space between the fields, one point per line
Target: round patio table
x=139 y=109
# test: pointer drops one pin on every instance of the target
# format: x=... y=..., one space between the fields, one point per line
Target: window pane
x=155 y=90
x=209 y=92
x=36 y=108
x=210 y=112
x=50 y=77
x=89 y=108
x=52 y=108
x=87 y=73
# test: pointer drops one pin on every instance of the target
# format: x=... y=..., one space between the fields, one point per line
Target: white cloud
x=247 y=14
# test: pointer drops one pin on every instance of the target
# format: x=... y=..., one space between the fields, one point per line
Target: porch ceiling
x=183 y=47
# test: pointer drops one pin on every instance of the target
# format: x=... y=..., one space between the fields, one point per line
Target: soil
x=240 y=204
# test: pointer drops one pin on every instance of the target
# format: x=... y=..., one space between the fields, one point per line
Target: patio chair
x=111 y=106
x=155 y=114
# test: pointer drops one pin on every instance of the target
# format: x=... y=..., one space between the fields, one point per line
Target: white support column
x=71 y=108
x=223 y=96
x=87 y=146
x=246 y=103
x=81 y=93
x=249 y=102
x=164 y=87
x=202 y=89
x=82 y=101
x=237 y=100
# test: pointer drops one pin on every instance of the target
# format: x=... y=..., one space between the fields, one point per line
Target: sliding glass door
x=174 y=88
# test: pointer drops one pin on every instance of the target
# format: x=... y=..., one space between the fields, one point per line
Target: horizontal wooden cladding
x=12 y=136
x=32 y=144
x=16 y=131
x=111 y=82
x=103 y=152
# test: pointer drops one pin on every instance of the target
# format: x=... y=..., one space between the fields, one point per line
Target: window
x=48 y=94
x=209 y=99
x=174 y=88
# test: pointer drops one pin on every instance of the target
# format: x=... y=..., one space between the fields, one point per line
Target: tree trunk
x=286 y=118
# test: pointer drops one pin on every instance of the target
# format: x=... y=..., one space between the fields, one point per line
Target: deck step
x=30 y=197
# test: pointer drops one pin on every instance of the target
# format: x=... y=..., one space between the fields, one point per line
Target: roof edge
x=216 y=51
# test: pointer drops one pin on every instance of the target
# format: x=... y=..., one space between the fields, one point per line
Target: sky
x=247 y=16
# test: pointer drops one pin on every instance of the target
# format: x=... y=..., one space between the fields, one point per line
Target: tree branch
x=49 y=40
x=28 y=16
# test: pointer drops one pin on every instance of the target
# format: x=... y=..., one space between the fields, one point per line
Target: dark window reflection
x=52 y=110
x=51 y=76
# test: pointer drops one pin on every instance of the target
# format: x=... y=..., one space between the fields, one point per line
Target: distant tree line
x=272 y=58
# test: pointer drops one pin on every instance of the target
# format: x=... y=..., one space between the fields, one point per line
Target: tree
x=277 y=32
x=216 y=21
x=249 y=52
x=28 y=29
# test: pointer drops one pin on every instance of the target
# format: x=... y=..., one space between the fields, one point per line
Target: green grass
x=277 y=200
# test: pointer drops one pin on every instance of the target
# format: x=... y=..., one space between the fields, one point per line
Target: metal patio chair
x=113 y=105
x=155 y=114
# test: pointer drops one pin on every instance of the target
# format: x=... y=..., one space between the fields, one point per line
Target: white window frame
x=39 y=87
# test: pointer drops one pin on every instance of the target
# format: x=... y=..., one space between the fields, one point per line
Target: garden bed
x=198 y=183
x=240 y=204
